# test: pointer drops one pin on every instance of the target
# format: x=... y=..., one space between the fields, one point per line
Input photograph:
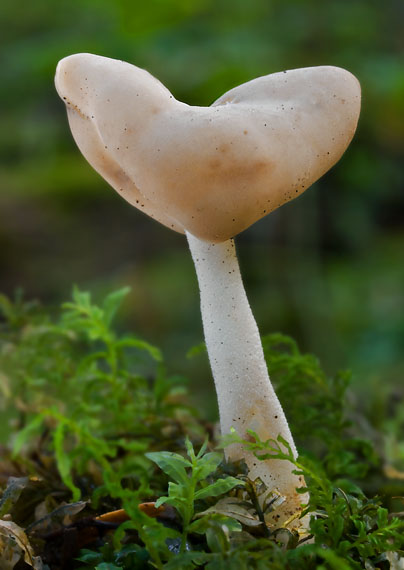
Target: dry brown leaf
x=235 y=508
x=58 y=518
x=15 y=486
x=15 y=545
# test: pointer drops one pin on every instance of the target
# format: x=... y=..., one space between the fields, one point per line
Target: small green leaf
x=201 y=525
x=133 y=342
x=190 y=449
x=207 y=464
x=219 y=487
x=217 y=537
x=89 y=556
x=173 y=464
x=382 y=517
x=64 y=461
x=202 y=451
x=26 y=433
x=161 y=500
x=335 y=561
x=112 y=303
x=196 y=350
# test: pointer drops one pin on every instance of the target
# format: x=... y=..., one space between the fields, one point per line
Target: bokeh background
x=327 y=268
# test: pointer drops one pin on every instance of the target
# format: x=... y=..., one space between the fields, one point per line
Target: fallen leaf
x=235 y=508
x=60 y=517
x=12 y=493
x=15 y=545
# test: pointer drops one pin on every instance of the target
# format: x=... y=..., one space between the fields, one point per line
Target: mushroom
x=211 y=172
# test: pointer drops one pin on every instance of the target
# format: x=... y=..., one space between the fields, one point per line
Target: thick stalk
x=246 y=397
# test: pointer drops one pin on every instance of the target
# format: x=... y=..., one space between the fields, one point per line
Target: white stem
x=246 y=397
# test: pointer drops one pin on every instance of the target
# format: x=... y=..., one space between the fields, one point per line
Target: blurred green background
x=327 y=268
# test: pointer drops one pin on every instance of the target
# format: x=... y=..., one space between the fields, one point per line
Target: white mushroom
x=211 y=172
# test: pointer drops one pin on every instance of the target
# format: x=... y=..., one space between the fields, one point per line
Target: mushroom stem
x=245 y=394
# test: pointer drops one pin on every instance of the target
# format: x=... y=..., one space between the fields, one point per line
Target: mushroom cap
x=212 y=171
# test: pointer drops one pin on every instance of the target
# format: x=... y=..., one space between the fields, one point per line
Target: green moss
x=94 y=422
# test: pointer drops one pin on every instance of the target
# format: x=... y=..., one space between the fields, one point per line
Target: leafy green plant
x=130 y=557
x=64 y=372
x=93 y=413
x=319 y=408
x=190 y=485
x=352 y=527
